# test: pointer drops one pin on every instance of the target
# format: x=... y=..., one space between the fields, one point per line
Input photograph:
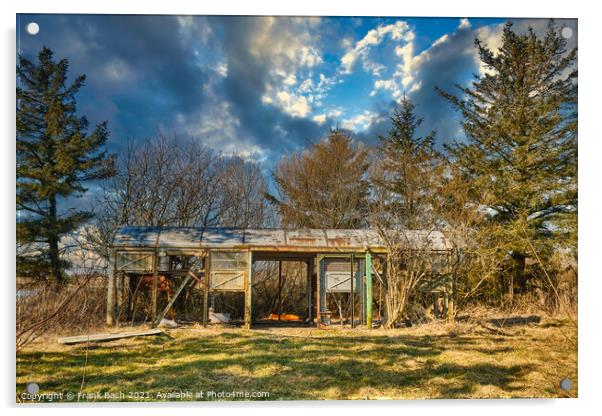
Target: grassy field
x=490 y=359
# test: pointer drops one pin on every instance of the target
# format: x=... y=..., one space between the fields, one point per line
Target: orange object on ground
x=284 y=317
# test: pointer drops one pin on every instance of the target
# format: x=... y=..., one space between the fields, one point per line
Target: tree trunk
x=520 y=276
x=56 y=272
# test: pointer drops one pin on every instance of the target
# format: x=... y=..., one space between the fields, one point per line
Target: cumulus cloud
x=294 y=105
x=387 y=84
x=398 y=31
x=288 y=52
x=264 y=56
x=330 y=116
x=396 y=77
x=260 y=85
x=319 y=118
x=362 y=121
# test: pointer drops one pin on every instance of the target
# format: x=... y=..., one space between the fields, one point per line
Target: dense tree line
x=505 y=195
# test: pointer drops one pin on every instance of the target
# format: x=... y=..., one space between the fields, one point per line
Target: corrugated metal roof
x=191 y=238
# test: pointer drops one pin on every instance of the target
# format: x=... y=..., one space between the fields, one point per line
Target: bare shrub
x=42 y=309
x=409 y=262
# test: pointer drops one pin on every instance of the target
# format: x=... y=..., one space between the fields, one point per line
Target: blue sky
x=264 y=86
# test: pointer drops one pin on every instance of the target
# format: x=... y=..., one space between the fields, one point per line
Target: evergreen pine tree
x=520 y=157
x=55 y=157
x=407 y=170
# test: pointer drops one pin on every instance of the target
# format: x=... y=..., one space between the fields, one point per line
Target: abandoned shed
x=221 y=260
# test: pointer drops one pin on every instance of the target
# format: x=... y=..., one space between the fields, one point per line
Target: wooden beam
x=107 y=337
x=158 y=319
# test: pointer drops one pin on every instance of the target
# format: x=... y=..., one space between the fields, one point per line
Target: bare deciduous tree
x=325 y=186
x=242 y=202
x=165 y=181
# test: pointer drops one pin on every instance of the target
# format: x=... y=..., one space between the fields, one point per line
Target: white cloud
x=222 y=69
x=289 y=44
x=295 y=105
x=195 y=27
x=402 y=81
x=309 y=56
x=290 y=79
x=403 y=60
x=398 y=31
x=320 y=118
x=464 y=23
x=361 y=121
x=218 y=127
x=441 y=40
x=118 y=70
x=383 y=84
x=405 y=68
x=335 y=113
x=306 y=85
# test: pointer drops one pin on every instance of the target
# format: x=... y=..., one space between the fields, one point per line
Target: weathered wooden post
x=206 y=290
x=436 y=304
x=248 y=290
x=279 y=288
x=368 y=289
x=351 y=260
x=154 y=287
x=319 y=295
x=310 y=271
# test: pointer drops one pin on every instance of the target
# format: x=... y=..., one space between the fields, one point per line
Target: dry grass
x=485 y=359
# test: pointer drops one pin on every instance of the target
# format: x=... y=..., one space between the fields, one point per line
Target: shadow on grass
x=515 y=320
x=288 y=368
